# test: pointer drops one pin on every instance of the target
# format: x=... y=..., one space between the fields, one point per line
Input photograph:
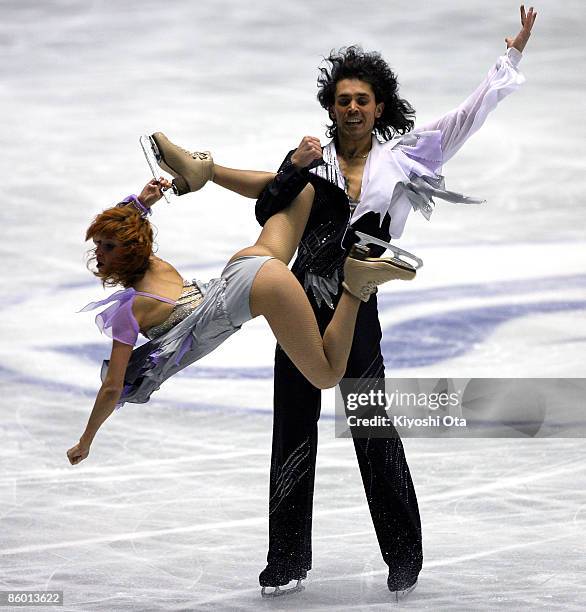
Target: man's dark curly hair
x=354 y=63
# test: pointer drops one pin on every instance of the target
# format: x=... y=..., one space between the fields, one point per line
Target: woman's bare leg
x=248 y=183
x=277 y=295
x=281 y=234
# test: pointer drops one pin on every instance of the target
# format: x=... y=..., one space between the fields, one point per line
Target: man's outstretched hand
x=527 y=21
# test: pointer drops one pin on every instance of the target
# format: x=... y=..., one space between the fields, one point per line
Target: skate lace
x=368 y=289
x=199 y=155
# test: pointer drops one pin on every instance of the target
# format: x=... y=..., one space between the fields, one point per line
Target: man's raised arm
x=503 y=78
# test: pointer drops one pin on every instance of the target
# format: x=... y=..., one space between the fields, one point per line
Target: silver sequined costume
x=206 y=314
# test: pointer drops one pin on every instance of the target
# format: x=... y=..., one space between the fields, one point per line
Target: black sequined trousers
x=385 y=473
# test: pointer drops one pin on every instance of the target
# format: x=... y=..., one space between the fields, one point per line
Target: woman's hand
x=527 y=21
x=153 y=191
x=79 y=452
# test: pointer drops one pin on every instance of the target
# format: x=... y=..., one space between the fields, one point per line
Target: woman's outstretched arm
x=106 y=400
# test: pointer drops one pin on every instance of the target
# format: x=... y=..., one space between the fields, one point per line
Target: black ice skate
x=279 y=592
x=401 y=593
x=271 y=579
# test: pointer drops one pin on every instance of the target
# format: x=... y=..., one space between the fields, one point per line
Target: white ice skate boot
x=191 y=170
x=363 y=274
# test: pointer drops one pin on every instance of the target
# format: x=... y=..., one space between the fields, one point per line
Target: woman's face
x=107 y=249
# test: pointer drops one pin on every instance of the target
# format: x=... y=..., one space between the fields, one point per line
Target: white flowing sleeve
x=459 y=124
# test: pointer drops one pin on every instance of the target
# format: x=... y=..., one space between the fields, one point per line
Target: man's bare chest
x=353 y=171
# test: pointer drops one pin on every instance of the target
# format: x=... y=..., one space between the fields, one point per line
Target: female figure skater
x=186 y=320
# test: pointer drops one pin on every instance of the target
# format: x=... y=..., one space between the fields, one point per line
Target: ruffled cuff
x=514 y=55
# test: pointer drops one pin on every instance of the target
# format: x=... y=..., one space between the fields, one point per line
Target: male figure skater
x=368 y=180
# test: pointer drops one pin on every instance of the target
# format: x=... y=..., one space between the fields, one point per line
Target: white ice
x=169 y=512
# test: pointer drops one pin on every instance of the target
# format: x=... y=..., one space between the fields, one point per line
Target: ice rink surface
x=169 y=512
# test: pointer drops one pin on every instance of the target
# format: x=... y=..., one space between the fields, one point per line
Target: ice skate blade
x=278 y=592
x=151 y=152
x=401 y=595
x=401 y=255
x=400 y=269
x=403 y=271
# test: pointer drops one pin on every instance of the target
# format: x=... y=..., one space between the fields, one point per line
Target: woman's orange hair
x=124 y=224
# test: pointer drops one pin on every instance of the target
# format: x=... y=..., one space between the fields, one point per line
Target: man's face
x=355 y=109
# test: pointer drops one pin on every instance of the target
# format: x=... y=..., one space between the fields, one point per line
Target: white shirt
x=404 y=173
